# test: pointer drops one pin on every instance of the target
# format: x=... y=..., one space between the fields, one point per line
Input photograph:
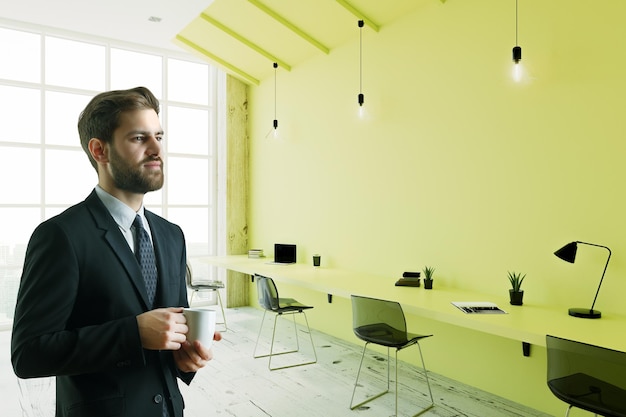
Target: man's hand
x=162 y=329
x=193 y=356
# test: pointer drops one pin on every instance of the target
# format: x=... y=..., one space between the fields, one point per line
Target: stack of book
x=409 y=279
x=255 y=253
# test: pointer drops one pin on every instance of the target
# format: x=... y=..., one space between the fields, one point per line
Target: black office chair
x=198 y=286
x=270 y=301
x=383 y=323
x=588 y=377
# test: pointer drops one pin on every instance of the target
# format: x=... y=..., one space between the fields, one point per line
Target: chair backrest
x=567 y=357
x=587 y=375
x=267 y=292
x=368 y=311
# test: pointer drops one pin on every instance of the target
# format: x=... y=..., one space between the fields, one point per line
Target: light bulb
x=517 y=72
x=273 y=131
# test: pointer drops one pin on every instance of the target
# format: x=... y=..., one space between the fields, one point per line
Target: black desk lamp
x=568 y=253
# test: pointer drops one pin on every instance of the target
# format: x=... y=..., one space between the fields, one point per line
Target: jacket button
x=123 y=364
x=158 y=398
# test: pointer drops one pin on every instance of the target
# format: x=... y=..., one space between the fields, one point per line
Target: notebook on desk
x=284 y=254
x=478 y=307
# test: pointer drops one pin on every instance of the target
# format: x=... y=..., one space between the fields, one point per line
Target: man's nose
x=154 y=145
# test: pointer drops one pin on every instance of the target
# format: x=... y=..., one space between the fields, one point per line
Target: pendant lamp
x=361 y=97
x=273 y=133
x=517 y=51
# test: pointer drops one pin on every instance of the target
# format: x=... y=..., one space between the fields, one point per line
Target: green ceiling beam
x=245 y=41
x=219 y=60
x=359 y=14
x=290 y=26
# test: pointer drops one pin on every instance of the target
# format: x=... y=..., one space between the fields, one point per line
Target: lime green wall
x=456 y=166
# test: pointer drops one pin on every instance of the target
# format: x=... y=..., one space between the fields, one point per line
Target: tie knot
x=137 y=223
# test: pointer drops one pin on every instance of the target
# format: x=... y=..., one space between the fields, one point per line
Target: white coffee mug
x=201 y=323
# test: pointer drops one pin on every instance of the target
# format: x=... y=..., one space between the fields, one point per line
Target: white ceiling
x=247 y=36
x=125 y=20
x=244 y=37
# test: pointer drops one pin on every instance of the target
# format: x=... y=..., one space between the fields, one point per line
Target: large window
x=43 y=88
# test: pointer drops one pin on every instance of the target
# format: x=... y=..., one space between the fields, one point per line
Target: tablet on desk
x=478 y=307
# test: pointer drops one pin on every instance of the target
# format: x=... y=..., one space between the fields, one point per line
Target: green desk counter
x=529 y=323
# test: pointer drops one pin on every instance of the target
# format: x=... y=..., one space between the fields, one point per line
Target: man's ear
x=98 y=150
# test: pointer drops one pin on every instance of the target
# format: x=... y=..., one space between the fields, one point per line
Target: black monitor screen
x=284 y=254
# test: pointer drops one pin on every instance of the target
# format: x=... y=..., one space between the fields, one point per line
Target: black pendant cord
x=360 y=57
x=361 y=97
x=275 y=97
x=516 y=23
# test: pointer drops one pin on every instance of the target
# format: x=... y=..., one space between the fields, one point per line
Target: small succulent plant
x=428 y=272
x=516 y=280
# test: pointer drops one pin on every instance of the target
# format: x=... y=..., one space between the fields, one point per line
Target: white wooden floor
x=236 y=384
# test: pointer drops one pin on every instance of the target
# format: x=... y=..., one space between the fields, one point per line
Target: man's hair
x=102 y=115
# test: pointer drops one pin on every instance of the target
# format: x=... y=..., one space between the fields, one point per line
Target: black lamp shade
x=517 y=54
x=568 y=252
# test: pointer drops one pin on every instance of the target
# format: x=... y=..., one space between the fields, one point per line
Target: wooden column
x=236 y=187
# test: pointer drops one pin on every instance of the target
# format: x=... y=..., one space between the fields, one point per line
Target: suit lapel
x=118 y=244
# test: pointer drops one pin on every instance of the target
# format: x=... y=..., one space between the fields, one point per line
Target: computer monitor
x=284 y=253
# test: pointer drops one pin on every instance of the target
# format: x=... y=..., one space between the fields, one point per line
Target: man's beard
x=132 y=179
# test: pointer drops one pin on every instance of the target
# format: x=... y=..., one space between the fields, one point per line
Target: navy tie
x=145 y=256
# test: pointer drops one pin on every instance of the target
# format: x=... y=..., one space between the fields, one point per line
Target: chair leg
x=295 y=331
x=356 y=383
x=430 y=392
x=354 y=406
x=432 y=401
x=219 y=300
x=259 y=336
x=297 y=344
x=308 y=329
x=271 y=354
x=269 y=363
x=569 y=407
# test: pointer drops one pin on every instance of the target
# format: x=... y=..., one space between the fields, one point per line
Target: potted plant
x=516 y=294
x=428 y=277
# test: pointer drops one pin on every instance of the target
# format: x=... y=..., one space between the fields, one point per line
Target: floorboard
x=324 y=389
x=235 y=384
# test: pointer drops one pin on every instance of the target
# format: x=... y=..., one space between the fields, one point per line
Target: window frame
x=10 y=262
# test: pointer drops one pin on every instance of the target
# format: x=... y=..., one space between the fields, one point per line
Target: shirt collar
x=121 y=213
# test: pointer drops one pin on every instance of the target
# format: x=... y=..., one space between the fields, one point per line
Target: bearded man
x=103 y=286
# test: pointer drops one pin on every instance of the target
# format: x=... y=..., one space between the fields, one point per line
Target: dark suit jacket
x=80 y=292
